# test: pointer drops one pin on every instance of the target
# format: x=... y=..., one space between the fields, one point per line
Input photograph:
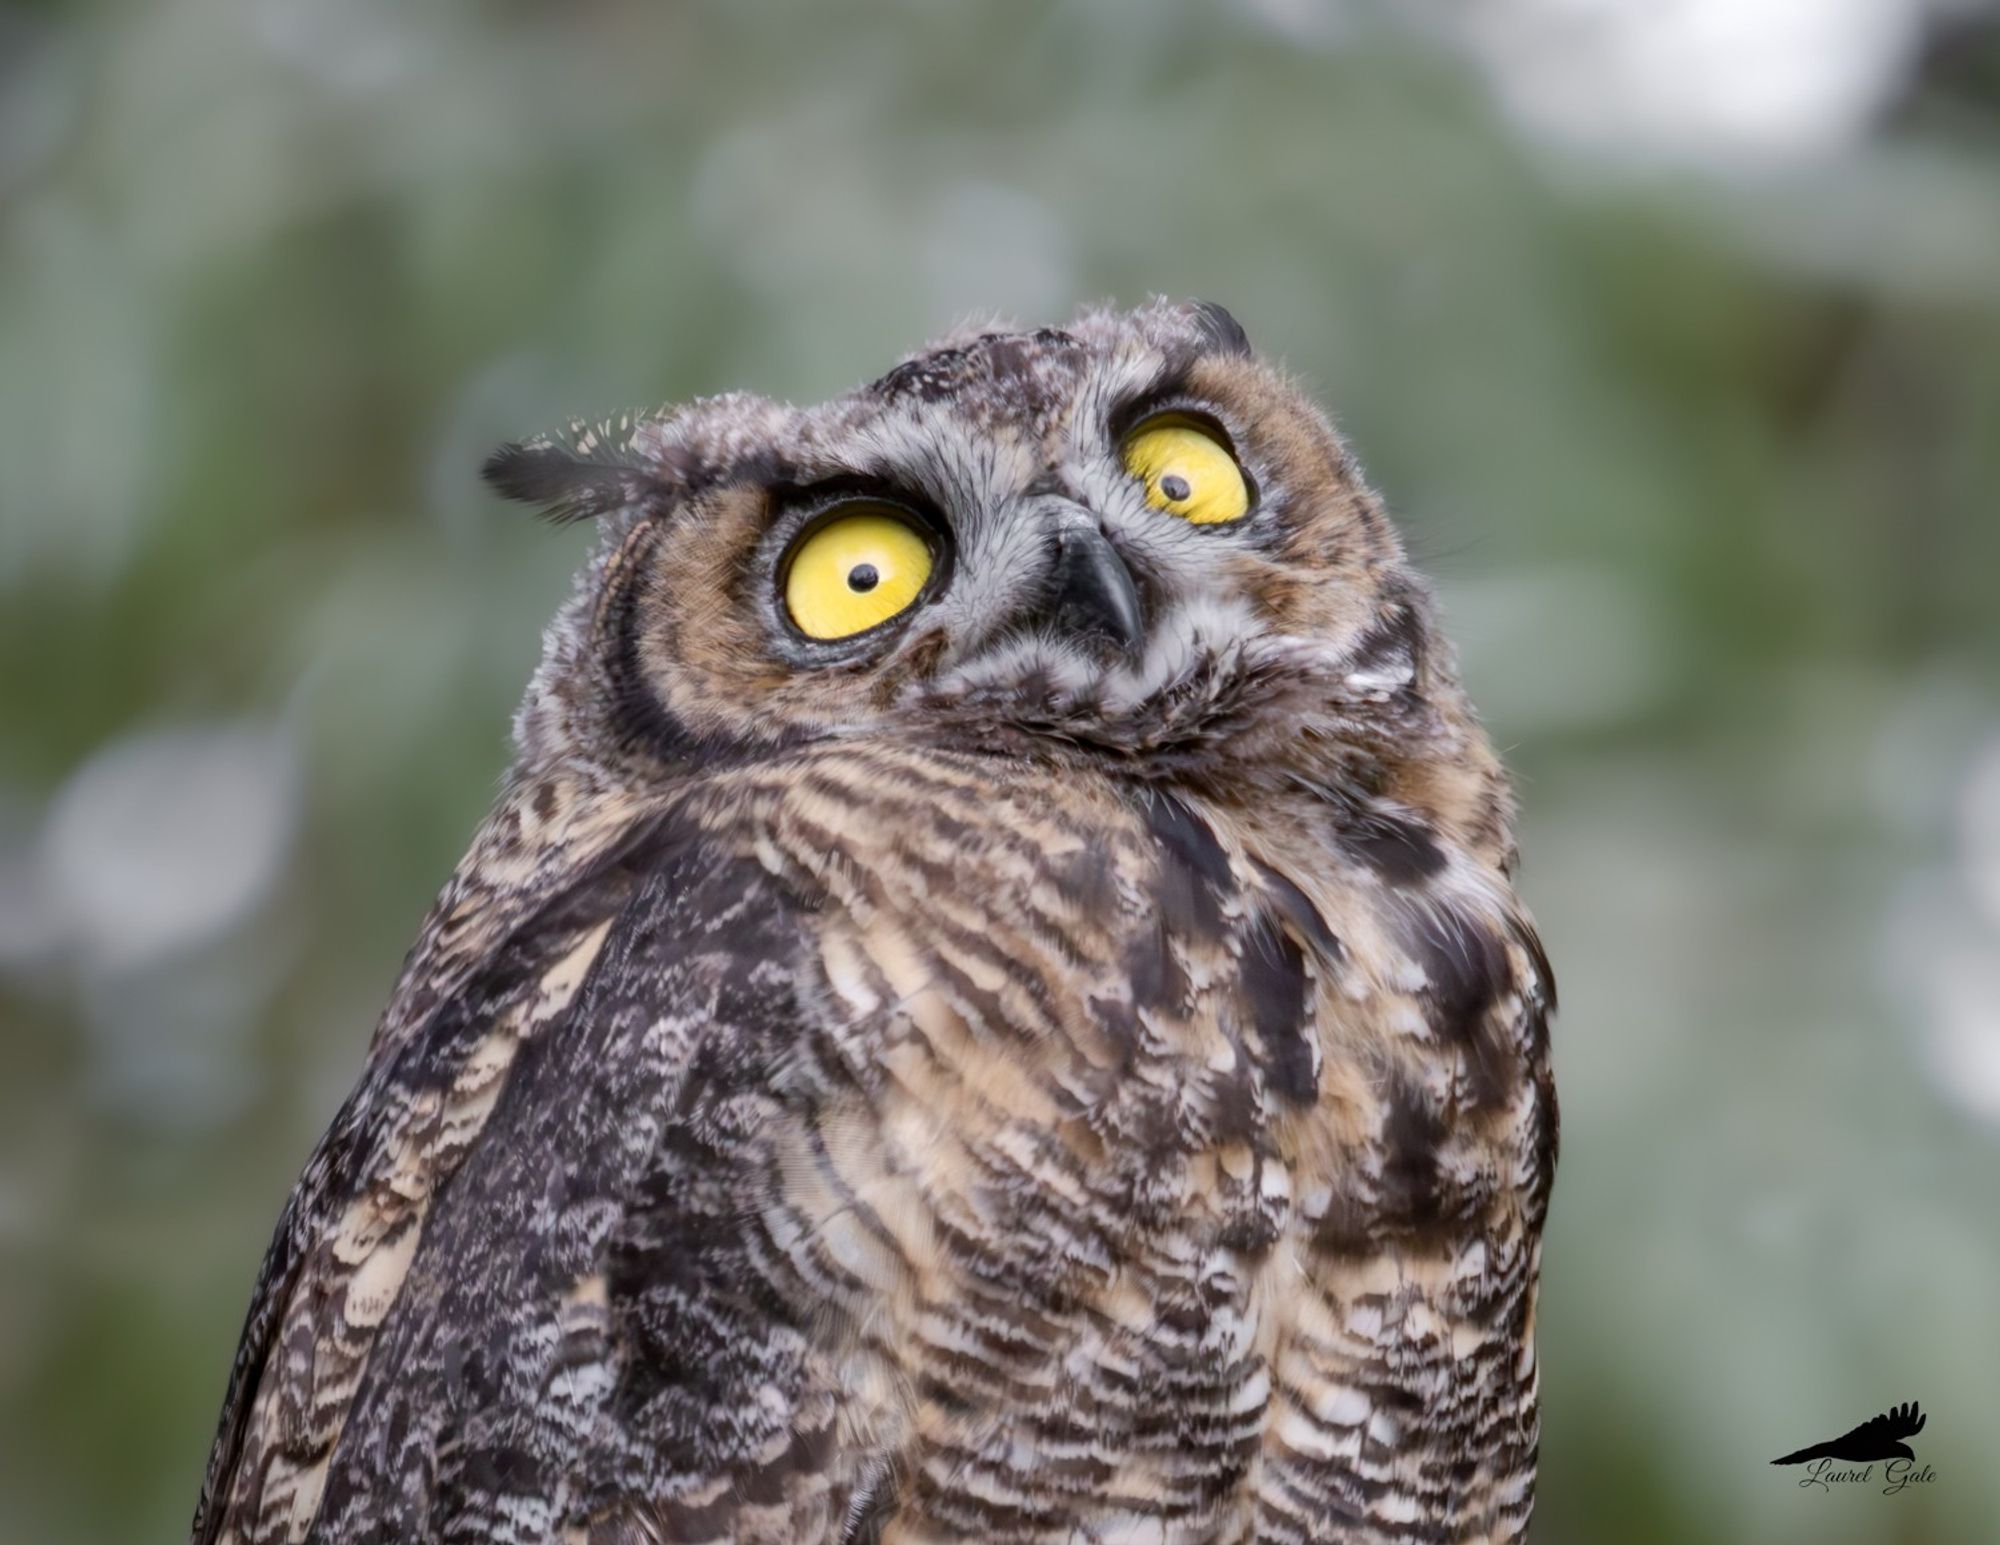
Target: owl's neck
x=1268 y=735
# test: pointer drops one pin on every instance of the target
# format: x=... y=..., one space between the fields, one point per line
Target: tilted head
x=1127 y=542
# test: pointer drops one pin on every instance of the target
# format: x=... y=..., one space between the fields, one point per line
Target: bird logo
x=1880 y=1437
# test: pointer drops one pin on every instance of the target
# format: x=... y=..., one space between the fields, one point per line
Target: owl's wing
x=474 y=1319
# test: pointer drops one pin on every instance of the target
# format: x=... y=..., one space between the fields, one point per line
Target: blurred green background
x=1670 y=329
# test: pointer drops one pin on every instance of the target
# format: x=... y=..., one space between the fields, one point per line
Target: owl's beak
x=1093 y=595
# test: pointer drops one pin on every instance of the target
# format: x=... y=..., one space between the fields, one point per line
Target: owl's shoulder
x=534 y=1009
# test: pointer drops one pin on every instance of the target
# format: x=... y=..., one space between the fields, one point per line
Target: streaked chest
x=1144 y=1134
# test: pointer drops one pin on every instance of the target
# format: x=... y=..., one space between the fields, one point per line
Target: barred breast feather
x=873 y=1143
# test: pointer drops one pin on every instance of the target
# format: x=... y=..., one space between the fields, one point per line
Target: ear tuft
x=528 y=474
x=568 y=485
x=1221 y=331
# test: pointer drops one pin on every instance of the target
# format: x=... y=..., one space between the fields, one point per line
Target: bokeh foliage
x=1706 y=459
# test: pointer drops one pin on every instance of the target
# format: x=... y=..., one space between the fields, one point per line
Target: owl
x=991 y=1007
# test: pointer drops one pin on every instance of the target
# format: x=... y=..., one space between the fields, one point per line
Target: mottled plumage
x=1063 y=1065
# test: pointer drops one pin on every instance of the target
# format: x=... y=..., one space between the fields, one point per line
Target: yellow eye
x=1187 y=471
x=854 y=572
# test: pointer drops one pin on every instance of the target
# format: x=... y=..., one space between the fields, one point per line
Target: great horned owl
x=991 y=1008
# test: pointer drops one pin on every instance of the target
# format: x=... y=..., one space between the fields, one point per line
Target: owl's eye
x=854 y=572
x=1187 y=471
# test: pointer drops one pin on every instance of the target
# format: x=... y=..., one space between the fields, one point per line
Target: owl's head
x=1128 y=541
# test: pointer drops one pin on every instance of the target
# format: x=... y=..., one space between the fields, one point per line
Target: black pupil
x=863 y=577
x=1175 y=487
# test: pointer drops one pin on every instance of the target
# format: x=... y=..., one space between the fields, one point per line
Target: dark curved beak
x=1092 y=594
